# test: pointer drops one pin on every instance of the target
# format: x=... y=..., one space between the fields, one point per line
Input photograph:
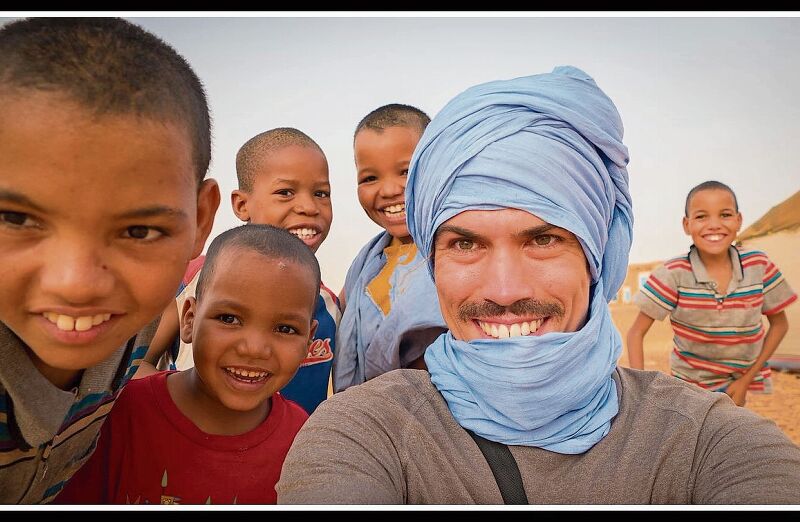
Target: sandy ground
x=782 y=405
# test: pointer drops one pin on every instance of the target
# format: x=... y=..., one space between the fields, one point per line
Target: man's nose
x=507 y=278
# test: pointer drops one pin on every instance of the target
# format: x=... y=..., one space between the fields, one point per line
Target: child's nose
x=255 y=345
x=76 y=274
x=306 y=205
x=392 y=188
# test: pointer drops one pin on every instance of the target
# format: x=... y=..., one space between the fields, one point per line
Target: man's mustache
x=523 y=307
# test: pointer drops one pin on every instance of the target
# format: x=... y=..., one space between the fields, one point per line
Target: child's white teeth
x=304 y=233
x=715 y=237
x=247 y=373
x=83 y=323
x=68 y=323
x=503 y=331
x=395 y=209
x=65 y=323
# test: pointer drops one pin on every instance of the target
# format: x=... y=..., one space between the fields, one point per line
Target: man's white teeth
x=79 y=324
x=502 y=331
x=248 y=374
x=395 y=209
x=304 y=233
x=714 y=237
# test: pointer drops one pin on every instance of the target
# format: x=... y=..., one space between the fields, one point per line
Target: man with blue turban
x=518 y=191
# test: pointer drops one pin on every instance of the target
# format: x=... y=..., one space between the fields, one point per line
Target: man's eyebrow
x=453 y=229
x=153 y=211
x=15 y=197
x=537 y=230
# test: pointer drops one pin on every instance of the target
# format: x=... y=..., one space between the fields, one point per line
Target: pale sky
x=701 y=97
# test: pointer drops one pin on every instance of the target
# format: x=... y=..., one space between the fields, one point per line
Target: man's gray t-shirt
x=392 y=440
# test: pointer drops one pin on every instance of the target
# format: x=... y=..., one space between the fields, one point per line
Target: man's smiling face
x=507 y=273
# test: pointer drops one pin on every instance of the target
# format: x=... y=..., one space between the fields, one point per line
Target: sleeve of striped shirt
x=777 y=292
x=659 y=294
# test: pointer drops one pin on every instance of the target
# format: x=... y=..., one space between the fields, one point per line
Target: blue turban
x=550 y=144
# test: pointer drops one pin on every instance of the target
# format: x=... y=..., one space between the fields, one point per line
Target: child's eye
x=404 y=172
x=16 y=219
x=322 y=194
x=367 y=179
x=284 y=192
x=286 y=329
x=143 y=233
x=228 y=319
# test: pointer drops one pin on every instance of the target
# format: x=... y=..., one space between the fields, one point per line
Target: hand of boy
x=737 y=390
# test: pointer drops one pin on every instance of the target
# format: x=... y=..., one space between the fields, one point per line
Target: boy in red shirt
x=218 y=432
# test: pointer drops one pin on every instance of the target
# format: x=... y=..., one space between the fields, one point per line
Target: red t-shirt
x=151 y=453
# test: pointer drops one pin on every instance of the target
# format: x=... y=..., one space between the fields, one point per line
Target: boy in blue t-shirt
x=283 y=181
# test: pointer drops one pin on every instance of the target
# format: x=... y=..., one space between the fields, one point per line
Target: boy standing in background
x=715 y=296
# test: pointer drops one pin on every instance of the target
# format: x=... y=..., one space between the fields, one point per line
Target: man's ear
x=187 y=319
x=208 y=199
x=239 y=204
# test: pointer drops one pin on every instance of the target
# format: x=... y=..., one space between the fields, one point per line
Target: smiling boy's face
x=247 y=347
x=99 y=217
x=382 y=159
x=291 y=190
x=712 y=221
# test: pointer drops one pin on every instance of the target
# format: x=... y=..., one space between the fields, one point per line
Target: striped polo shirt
x=717 y=335
x=46 y=433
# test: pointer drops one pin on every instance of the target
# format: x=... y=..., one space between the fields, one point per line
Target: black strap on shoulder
x=504 y=468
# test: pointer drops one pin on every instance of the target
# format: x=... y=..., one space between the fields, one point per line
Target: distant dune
x=782 y=217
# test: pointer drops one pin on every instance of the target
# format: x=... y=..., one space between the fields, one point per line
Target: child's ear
x=239 y=204
x=187 y=319
x=738 y=221
x=208 y=199
x=313 y=330
x=686 y=226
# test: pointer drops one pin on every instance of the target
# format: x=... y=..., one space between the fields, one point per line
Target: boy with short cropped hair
x=715 y=296
x=391 y=312
x=283 y=181
x=105 y=144
x=219 y=431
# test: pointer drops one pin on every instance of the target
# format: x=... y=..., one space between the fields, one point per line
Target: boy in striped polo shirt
x=715 y=296
x=105 y=141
